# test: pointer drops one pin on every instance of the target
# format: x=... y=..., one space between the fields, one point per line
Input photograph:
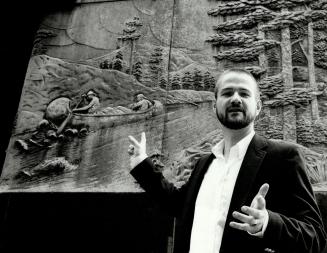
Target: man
x=142 y=103
x=93 y=103
x=250 y=195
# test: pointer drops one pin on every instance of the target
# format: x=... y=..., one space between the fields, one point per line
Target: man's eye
x=227 y=94
x=244 y=94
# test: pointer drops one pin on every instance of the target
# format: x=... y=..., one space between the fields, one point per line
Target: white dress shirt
x=214 y=197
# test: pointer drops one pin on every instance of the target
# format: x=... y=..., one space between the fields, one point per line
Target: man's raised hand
x=254 y=217
x=259 y=201
x=137 y=150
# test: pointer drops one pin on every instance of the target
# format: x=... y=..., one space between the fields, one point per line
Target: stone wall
x=187 y=125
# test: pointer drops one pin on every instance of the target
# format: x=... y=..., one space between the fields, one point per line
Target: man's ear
x=259 y=106
x=214 y=107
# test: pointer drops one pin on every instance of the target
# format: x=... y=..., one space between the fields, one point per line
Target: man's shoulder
x=280 y=153
x=278 y=145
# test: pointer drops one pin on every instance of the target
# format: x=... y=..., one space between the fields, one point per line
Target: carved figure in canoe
x=60 y=119
x=142 y=103
x=93 y=103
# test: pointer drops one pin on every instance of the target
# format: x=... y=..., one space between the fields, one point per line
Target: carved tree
x=320 y=45
x=206 y=80
x=163 y=82
x=155 y=65
x=137 y=70
x=291 y=20
x=131 y=35
x=209 y=81
x=197 y=79
x=319 y=41
x=176 y=82
x=117 y=63
x=106 y=64
x=187 y=81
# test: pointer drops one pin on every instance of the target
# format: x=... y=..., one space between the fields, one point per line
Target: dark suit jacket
x=295 y=223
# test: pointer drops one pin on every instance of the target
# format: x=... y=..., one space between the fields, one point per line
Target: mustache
x=234 y=108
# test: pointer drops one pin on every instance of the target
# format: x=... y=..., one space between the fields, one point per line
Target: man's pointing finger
x=264 y=190
x=261 y=203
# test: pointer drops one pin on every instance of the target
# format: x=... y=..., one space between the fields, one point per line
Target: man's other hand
x=254 y=218
x=137 y=150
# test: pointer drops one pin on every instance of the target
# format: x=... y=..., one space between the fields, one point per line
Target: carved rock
x=232 y=38
x=295 y=96
x=248 y=21
x=287 y=19
x=271 y=85
x=249 y=52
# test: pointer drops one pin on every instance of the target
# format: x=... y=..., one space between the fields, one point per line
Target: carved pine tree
x=106 y=64
x=163 y=82
x=155 y=65
x=197 y=79
x=137 y=70
x=131 y=35
x=187 y=81
x=206 y=80
x=176 y=82
x=117 y=63
x=291 y=20
x=286 y=21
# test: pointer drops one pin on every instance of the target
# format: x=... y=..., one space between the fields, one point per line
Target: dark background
x=47 y=222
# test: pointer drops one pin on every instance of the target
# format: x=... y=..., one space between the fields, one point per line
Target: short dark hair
x=236 y=70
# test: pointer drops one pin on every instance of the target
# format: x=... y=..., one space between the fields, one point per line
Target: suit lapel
x=192 y=193
x=200 y=171
x=247 y=174
x=248 y=171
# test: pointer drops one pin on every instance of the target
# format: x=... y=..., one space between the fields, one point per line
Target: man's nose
x=236 y=99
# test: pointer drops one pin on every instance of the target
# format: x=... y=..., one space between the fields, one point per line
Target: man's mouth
x=235 y=110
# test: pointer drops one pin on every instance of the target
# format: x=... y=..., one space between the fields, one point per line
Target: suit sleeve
x=298 y=228
x=154 y=183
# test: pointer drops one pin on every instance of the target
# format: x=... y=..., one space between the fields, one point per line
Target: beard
x=243 y=119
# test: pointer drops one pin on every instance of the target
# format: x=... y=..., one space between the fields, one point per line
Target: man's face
x=89 y=96
x=236 y=104
x=139 y=97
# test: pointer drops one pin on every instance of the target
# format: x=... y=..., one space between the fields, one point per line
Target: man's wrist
x=138 y=159
x=264 y=226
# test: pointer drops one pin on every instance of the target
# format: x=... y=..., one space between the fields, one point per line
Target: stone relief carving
x=135 y=66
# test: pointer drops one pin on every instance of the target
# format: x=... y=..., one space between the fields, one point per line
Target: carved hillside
x=48 y=78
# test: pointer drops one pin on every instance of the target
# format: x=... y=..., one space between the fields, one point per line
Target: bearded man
x=249 y=195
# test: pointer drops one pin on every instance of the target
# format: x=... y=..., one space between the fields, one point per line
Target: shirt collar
x=238 y=150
